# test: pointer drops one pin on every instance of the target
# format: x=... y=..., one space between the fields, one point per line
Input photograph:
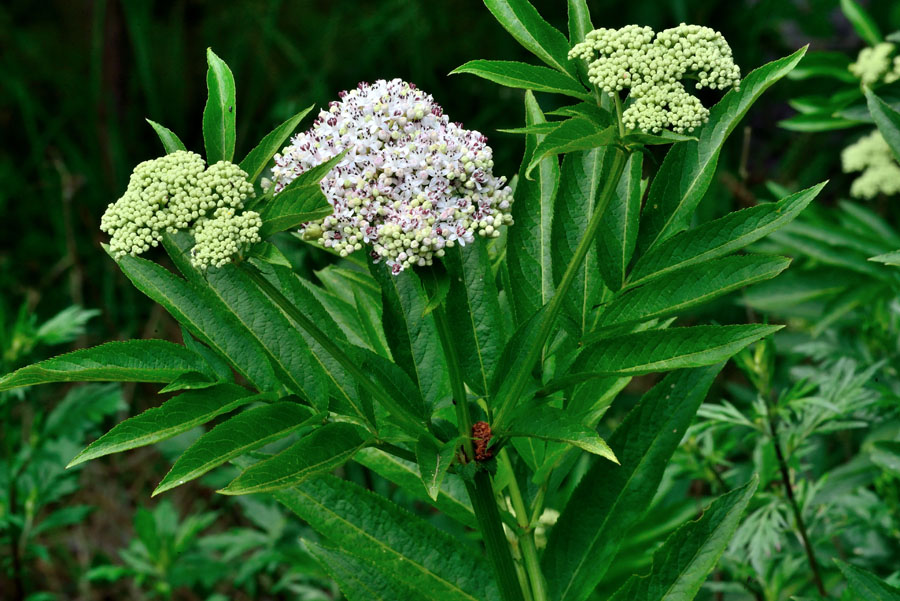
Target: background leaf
x=169 y=140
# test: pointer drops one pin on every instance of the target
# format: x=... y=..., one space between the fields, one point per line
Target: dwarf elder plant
x=474 y=333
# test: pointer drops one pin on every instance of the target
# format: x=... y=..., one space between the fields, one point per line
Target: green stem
x=352 y=367
x=525 y=536
x=481 y=491
x=521 y=374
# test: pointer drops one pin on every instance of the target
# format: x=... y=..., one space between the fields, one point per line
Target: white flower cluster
x=874 y=64
x=177 y=192
x=652 y=69
x=880 y=171
x=411 y=183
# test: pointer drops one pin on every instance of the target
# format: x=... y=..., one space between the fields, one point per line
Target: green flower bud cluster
x=652 y=67
x=220 y=237
x=880 y=171
x=172 y=193
x=874 y=64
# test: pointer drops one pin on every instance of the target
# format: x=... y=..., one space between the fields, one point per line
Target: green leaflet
x=202 y=314
x=571 y=135
x=523 y=22
x=360 y=293
x=169 y=140
x=522 y=75
x=219 y=112
x=128 y=361
x=691 y=286
x=663 y=350
x=862 y=22
x=687 y=557
x=424 y=558
x=434 y=460
x=217 y=365
x=244 y=432
x=178 y=414
x=529 y=258
x=866 y=586
x=358 y=579
x=887 y=119
x=664 y=137
x=257 y=159
x=816 y=122
x=611 y=498
x=474 y=305
x=321 y=451
x=579 y=25
x=189 y=381
x=549 y=423
x=617 y=236
x=534 y=128
x=287 y=351
x=452 y=500
x=300 y=201
x=412 y=335
x=580 y=177
x=688 y=168
x=720 y=237
x=390 y=377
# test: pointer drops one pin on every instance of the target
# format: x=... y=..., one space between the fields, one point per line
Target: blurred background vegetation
x=77 y=79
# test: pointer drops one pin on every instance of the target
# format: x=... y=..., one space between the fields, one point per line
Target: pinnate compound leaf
x=617 y=236
x=526 y=25
x=611 y=498
x=689 y=287
x=434 y=460
x=720 y=237
x=426 y=559
x=571 y=135
x=654 y=351
x=178 y=414
x=522 y=75
x=257 y=159
x=300 y=201
x=887 y=118
x=529 y=257
x=319 y=452
x=688 y=168
x=127 y=361
x=220 y=110
x=866 y=586
x=683 y=563
x=203 y=315
x=171 y=143
x=862 y=22
x=359 y=579
x=550 y=423
x=244 y=432
x=285 y=348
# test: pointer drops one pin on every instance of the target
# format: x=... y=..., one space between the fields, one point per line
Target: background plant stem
x=525 y=535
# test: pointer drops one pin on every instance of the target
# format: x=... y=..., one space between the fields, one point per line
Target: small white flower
x=411 y=182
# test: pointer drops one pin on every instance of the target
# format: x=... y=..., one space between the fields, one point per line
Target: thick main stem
x=526 y=535
x=523 y=370
x=481 y=490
